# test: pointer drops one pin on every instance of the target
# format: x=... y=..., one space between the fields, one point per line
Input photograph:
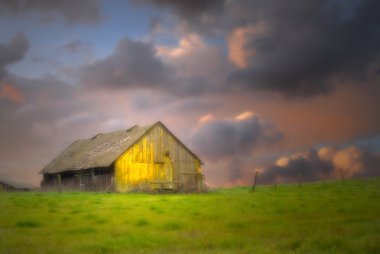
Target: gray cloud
x=12 y=52
x=228 y=147
x=309 y=168
x=132 y=64
x=73 y=12
x=187 y=7
x=189 y=10
x=349 y=162
x=220 y=139
x=200 y=16
x=371 y=162
x=305 y=44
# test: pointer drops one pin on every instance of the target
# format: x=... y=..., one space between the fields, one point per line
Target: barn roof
x=15 y=183
x=102 y=150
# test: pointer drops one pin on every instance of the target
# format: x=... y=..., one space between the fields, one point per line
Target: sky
x=286 y=88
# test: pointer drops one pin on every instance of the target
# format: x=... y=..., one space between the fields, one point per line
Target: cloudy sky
x=286 y=88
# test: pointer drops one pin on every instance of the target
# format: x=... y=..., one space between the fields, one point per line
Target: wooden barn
x=10 y=184
x=143 y=158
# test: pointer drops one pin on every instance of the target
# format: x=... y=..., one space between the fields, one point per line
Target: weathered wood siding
x=99 y=179
x=158 y=161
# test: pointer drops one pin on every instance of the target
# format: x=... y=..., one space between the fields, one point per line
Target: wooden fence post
x=343 y=175
x=299 y=180
x=255 y=180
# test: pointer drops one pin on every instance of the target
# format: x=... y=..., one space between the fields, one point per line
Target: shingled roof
x=99 y=151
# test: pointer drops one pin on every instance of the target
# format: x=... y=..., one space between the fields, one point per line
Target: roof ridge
x=99 y=150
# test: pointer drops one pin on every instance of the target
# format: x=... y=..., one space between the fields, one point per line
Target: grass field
x=316 y=218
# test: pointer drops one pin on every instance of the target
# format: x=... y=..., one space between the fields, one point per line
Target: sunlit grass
x=316 y=218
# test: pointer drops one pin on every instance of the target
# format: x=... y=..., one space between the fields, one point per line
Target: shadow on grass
x=28 y=224
x=173 y=226
x=141 y=223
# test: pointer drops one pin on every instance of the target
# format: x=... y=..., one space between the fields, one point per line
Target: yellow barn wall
x=157 y=161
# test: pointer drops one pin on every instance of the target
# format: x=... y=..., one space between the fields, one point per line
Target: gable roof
x=99 y=151
x=15 y=183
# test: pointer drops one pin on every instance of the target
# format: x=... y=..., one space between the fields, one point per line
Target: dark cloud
x=349 y=162
x=296 y=48
x=371 y=163
x=12 y=52
x=186 y=8
x=132 y=64
x=135 y=64
x=195 y=15
x=309 y=168
x=304 y=45
x=73 y=12
x=219 y=139
x=229 y=147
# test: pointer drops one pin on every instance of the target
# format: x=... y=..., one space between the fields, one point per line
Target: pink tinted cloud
x=324 y=163
x=11 y=92
x=238 y=40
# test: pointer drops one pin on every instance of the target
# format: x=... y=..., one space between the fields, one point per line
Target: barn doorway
x=167 y=169
x=163 y=179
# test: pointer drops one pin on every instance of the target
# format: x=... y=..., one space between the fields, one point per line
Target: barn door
x=167 y=174
x=163 y=176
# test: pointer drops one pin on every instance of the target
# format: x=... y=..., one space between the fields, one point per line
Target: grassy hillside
x=316 y=218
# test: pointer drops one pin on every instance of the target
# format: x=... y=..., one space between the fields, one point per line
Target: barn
x=10 y=184
x=142 y=158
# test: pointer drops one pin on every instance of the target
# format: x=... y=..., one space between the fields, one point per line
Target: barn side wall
x=96 y=179
x=158 y=162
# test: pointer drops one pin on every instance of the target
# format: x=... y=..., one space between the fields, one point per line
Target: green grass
x=316 y=218
x=28 y=224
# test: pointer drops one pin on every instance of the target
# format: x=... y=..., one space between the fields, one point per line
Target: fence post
x=255 y=180
x=343 y=175
x=299 y=180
